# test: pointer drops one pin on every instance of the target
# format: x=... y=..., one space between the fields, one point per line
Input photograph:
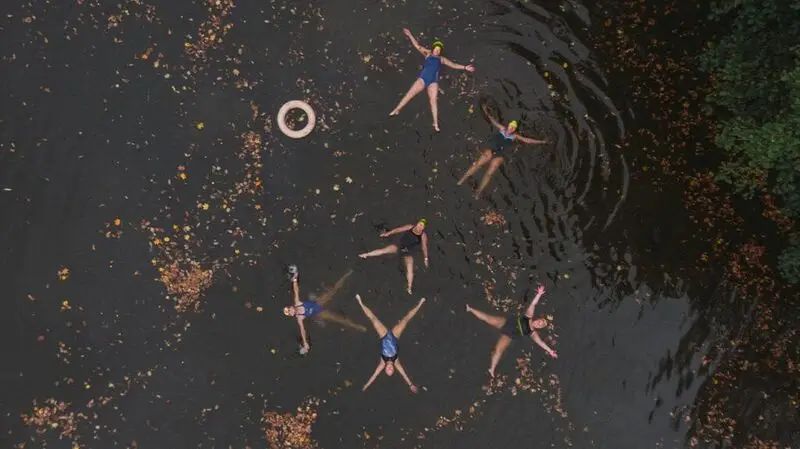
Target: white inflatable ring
x=296 y=104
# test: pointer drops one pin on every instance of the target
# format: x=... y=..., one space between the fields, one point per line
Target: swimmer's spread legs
x=398 y=328
x=415 y=89
x=493 y=166
x=433 y=93
x=486 y=156
x=390 y=249
x=502 y=342
x=328 y=295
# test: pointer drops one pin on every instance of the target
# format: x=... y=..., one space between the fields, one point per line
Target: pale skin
x=298 y=310
x=504 y=341
x=397 y=330
x=488 y=156
x=417 y=229
x=419 y=84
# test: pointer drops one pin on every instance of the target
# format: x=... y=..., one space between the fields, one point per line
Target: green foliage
x=756 y=70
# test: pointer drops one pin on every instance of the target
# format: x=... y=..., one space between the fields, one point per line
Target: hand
x=414 y=388
x=304 y=349
x=469 y=68
x=553 y=354
x=426 y=262
x=540 y=290
x=384 y=234
x=358 y=297
x=407 y=32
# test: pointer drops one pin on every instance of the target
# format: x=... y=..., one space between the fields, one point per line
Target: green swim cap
x=438 y=43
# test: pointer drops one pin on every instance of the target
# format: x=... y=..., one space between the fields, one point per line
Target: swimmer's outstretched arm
x=529 y=141
x=296 y=292
x=378 y=370
x=402 y=370
x=425 y=52
x=532 y=307
x=397 y=230
x=453 y=65
x=492 y=119
x=425 y=247
x=535 y=336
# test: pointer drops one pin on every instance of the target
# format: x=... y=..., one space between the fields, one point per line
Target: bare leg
x=328 y=295
x=412 y=92
x=433 y=93
x=486 y=156
x=344 y=321
x=398 y=328
x=376 y=323
x=390 y=249
x=409 y=272
x=494 y=321
x=493 y=166
x=499 y=349
x=296 y=291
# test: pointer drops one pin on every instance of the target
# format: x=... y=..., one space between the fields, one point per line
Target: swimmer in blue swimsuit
x=389 y=344
x=429 y=77
x=515 y=327
x=313 y=308
x=412 y=236
x=496 y=152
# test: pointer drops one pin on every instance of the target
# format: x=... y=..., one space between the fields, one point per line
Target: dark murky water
x=91 y=131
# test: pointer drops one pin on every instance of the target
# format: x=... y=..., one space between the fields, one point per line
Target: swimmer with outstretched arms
x=495 y=154
x=515 y=327
x=412 y=235
x=313 y=308
x=429 y=77
x=389 y=345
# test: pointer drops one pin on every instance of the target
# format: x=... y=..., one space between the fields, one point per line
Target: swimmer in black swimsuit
x=314 y=308
x=514 y=327
x=412 y=236
x=496 y=151
x=390 y=354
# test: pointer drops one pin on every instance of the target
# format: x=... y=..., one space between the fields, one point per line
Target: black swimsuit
x=517 y=326
x=409 y=240
x=499 y=142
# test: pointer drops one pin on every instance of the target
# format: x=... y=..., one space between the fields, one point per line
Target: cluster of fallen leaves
x=284 y=430
x=54 y=415
x=493 y=218
x=212 y=31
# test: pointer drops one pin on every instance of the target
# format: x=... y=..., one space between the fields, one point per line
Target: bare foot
x=363 y=255
x=469 y=309
x=491 y=372
x=393 y=113
x=422 y=301
x=408 y=290
x=358 y=298
x=436 y=127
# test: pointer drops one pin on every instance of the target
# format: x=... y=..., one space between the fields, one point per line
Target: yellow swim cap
x=423 y=221
x=439 y=44
x=513 y=123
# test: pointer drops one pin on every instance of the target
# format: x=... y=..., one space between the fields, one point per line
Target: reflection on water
x=546 y=218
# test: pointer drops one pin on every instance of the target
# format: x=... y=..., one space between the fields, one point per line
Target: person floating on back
x=515 y=327
x=429 y=77
x=313 y=308
x=390 y=355
x=412 y=235
x=496 y=153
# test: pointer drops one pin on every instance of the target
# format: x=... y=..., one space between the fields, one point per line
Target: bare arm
x=397 y=230
x=540 y=342
x=532 y=306
x=529 y=141
x=492 y=120
x=425 y=52
x=303 y=335
x=296 y=292
x=378 y=370
x=425 y=247
x=453 y=65
x=402 y=370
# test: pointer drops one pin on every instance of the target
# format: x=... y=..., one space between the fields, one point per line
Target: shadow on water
x=617 y=337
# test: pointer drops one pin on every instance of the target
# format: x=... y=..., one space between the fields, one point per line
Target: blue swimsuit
x=311 y=308
x=389 y=347
x=499 y=142
x=430 y=70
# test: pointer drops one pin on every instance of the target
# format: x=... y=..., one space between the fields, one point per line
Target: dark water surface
x=91 y=131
